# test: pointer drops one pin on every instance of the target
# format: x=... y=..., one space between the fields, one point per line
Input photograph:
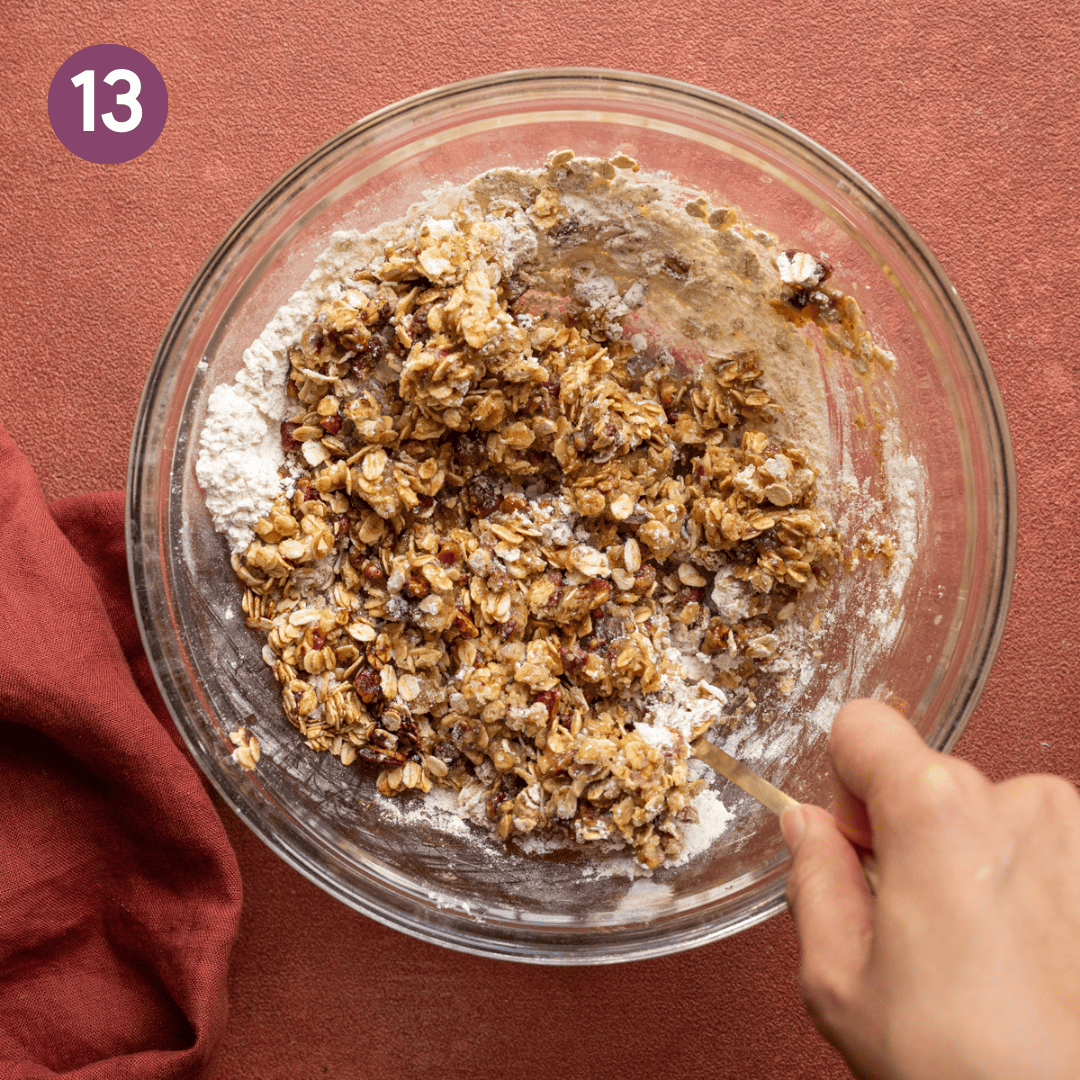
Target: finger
x=849 y=813
x=832 y=908
x=869 y=745
x=896 y=796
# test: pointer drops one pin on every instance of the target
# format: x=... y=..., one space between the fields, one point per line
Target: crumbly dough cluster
x=499 y=519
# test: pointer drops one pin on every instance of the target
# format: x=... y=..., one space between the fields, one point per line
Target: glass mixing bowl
x=940 y=403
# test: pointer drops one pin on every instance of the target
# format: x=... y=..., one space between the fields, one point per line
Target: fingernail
x=792 y=827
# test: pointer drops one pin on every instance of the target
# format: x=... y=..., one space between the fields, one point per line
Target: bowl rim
x=622 y=84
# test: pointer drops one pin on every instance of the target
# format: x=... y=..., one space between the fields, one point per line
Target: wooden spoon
x=771 y=797
x=735 y=771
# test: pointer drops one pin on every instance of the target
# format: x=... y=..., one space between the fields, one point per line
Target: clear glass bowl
x=470 y=894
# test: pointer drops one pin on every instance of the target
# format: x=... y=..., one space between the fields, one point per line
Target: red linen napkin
x=119 y=892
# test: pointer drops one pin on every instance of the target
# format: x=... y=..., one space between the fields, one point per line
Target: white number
x=85 y=79
x=130 y=98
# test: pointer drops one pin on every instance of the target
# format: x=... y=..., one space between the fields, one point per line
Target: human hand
x=966 y=963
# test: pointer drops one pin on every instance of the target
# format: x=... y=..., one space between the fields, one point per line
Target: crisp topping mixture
x=507 y=522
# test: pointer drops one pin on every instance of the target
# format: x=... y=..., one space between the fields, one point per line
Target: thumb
x=831 y=905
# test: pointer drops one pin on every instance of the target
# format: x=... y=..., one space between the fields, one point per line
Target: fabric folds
x=119 y=893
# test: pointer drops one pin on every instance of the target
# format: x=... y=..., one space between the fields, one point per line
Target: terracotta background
x=967 y=119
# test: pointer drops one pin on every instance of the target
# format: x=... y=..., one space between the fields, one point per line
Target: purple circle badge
x=108 y=104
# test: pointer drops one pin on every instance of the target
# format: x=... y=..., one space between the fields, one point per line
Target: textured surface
x=967 y=120
x=119 y=893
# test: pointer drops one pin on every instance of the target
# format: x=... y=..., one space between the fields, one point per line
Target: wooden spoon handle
x=747 y=779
